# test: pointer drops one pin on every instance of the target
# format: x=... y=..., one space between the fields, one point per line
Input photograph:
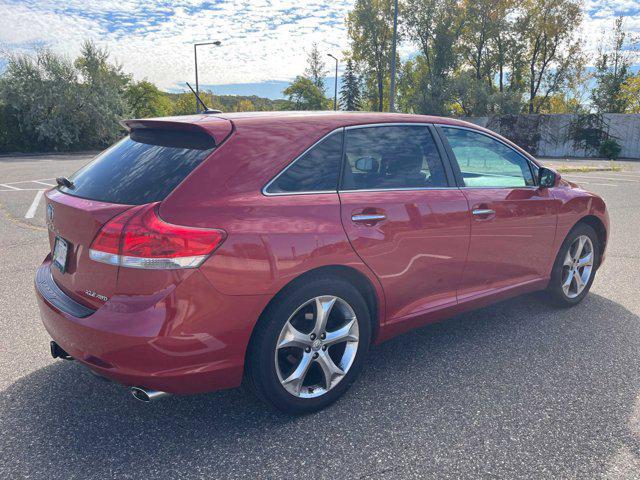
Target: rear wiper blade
x=64 y=182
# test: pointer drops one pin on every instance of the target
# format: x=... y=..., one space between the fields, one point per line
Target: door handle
x=483 y=212
x=368 y=217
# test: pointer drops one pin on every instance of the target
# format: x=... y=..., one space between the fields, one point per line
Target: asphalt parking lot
x=516 y=390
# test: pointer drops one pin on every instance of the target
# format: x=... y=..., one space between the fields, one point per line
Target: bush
x=609 y=149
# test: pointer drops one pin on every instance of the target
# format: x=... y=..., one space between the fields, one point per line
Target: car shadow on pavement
x=517 y=389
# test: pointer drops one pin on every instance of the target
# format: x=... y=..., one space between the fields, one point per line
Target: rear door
x=142 y=168
x=403 y=216
x=513 y=221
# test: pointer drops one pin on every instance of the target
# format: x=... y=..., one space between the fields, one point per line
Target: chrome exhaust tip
x=146 y=395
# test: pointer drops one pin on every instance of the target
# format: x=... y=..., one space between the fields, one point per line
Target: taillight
x=139 y=238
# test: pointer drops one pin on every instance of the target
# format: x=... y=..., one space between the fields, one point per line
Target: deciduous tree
x=630 y=91
x=145 y=100
x=305 y=95
x=436 y=26
x=612 y=70
x=370 y=27
x=552 y=52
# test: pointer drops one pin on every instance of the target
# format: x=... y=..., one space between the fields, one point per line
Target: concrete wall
x=548 y=135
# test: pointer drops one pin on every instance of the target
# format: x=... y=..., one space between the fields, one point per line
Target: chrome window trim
x=394 y=124
x=526 y=158
x=310 y=192
x=530 y=187
x=389 y=124
x=397 y=189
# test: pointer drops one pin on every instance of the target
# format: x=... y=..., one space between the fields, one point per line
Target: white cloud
x=262 y=40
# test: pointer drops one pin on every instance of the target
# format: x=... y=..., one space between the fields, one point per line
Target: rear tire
x=298 y=361
x=575 y=267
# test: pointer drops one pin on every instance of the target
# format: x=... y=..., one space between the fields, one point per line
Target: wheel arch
x=358 y=279
x=598 y=225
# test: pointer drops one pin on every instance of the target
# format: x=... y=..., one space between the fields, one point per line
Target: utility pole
x=195 y=60
x=335 y=88
x=392 y=90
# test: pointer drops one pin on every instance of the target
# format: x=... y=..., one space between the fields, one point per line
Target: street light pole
x=335 y=88
x=392 y=92
x=195 y=60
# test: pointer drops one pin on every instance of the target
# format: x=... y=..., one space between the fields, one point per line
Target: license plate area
x=60 y=253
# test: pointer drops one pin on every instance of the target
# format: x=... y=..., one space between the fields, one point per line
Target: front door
x=403 y=217
x=513 y=221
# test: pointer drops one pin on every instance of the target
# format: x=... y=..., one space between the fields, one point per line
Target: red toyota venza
x=273 y=249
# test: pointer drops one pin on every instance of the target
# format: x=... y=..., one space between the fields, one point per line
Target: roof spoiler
x=219 y=129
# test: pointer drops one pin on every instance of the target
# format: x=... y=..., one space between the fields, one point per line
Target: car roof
x=220 y=125
x=339 y=118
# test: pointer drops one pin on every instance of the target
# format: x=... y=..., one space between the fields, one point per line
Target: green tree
x=480 y=28
x=316 y=69
x=507 y=48
x=630 y=91
x=553 y=55
x=350 y=96
x=145 y=100
x=245 y=105
x=612 y=70
x=436 y=26
x=183 y=104
x=41 y=103
x=305 y=95
x=102 y=91
x=562 y=103
x=472 y=96
x=370 y=28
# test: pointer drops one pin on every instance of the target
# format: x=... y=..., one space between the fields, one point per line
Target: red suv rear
x=277 y=246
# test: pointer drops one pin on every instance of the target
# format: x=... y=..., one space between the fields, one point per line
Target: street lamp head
x=217 y=43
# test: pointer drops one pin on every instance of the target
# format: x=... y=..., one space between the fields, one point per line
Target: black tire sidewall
x=555 y=286
x=262 y=350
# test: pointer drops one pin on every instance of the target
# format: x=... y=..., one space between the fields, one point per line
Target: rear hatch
x=142 y=168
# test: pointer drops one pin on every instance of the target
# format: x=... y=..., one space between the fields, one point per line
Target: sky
x=264 y=42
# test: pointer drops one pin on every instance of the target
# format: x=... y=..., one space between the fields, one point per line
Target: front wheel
x=310 y=345
x=575 y=267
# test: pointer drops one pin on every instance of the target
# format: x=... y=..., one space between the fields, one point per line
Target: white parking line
x=604 y=178
x=601 y=184
x=34 y=205
x=22 y=190
x=43 y=183
x=628 y=175
x=9 y=187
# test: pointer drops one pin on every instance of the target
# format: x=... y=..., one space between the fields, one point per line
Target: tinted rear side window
x=142 y=168
x=392 y=157
x=315 y=171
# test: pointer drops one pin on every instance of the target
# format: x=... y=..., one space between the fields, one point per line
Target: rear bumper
x=186 y=339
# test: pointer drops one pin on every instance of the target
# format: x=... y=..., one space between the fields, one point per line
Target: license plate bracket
x=60 y=253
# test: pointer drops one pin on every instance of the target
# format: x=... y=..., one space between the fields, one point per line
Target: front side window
x=316 y=170
x=486 y=162
x=392 y=157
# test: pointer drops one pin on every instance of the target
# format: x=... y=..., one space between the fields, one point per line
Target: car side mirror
x=367 y=164
x=547 y=177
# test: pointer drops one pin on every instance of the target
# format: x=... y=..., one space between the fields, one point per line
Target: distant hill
x=234 y=103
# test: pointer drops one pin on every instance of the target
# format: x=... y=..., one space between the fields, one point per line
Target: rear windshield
x=142 y=168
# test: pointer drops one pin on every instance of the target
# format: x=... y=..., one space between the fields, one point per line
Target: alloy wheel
x=577 y=266
x=317 y=346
